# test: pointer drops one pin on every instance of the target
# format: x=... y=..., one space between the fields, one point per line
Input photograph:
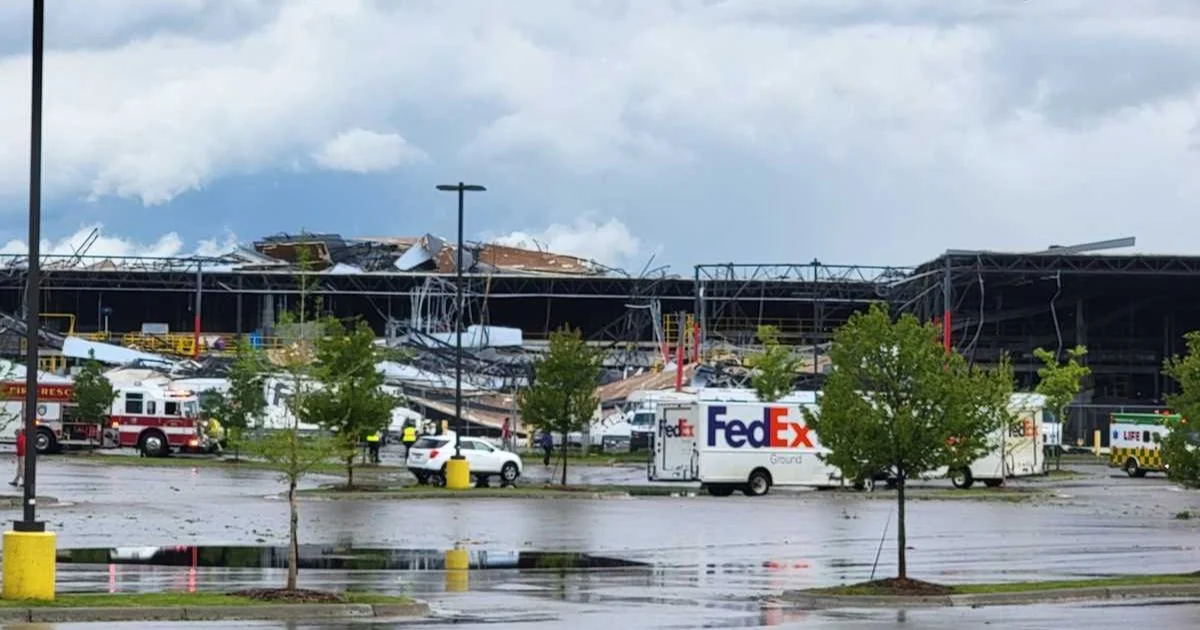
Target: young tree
x=286 y=450
x=293 y=456
x=1181 y=448
x=774 y=368
x=562 y=397
x=94 y=393
x=896 y=402
x=1060 y=383
x=351 y=402
x=246 y=400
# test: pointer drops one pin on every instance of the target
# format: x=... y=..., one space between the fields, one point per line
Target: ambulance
x=1135 y=441
x=729 y=443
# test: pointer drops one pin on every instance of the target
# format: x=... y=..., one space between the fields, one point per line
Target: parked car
x=428 y=456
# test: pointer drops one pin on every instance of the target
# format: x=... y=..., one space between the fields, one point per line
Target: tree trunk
x=901 y=535
x=564 y=459
x=293 y=537
x=350 y=472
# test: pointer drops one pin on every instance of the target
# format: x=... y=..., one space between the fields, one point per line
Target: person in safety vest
x=215 y=433
x=373 y=441
x=408 y=436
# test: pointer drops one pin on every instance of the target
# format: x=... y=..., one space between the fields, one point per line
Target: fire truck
x=148 y=416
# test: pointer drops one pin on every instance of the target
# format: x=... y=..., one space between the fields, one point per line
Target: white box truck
x=1015 y=451
x=738 y=445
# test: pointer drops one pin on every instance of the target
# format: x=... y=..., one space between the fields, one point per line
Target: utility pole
x=29 y=548
x=199 y=300
x=458 y=474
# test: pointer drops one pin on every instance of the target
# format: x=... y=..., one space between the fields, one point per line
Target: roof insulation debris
x=336 y=254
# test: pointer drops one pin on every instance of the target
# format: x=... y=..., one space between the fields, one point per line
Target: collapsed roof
x=333 y=253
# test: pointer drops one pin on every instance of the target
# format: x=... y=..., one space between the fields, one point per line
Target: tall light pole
x=458 y=474
x=29 y=548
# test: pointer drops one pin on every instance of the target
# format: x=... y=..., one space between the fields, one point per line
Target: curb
x=285 y=612
x=975 y=600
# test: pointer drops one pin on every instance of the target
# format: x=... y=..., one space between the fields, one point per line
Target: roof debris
x=427 y=253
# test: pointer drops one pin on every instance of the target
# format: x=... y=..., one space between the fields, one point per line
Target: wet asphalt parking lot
x=711 y=562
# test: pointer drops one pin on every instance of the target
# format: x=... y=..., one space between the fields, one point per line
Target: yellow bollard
x=458 y=473
x=458 y=561
x=29 y=559
x=1096 y=442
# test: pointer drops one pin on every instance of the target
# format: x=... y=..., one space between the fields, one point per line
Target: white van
x=1015 y=451
x=739 y=445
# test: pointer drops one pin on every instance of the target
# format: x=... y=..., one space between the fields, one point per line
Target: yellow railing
x=790 y=330
x=181 y=344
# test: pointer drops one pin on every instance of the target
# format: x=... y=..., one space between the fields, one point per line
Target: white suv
x=428 y=456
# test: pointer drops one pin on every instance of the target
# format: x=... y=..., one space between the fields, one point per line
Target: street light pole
x=29 y=555
x=33 y=280
x=457 y=467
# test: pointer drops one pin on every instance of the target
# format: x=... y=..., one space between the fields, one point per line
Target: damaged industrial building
x=179 y=314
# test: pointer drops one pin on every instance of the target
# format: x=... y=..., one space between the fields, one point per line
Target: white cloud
x=610 y=243
x=363 y=151
x=166 y=246
x=744 y=128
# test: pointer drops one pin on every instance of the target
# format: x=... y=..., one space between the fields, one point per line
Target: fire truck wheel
x=154 y=444
x=44 y=442
x=962 y=478
x=758 y=484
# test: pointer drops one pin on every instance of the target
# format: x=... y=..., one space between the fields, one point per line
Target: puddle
x=335 y=558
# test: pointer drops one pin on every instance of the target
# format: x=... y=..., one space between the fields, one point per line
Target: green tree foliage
x=1060 y=382
x=94 y=393
x=775 y=367
x=293 y=456
x=896 y=402
x=242 y=407
x=351 y=402
x=1180 y=448
x=562 y=398
x=287 y=451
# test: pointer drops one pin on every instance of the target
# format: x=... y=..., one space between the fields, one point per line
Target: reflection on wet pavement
x=334 y=557
x=712 y=561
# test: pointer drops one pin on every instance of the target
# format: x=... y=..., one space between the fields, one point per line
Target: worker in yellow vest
x=373 y=441
x=408 y=436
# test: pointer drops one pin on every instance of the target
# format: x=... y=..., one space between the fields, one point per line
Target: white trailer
x=1017 y=450
x=738 y=445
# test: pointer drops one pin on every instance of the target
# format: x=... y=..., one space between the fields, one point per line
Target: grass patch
x=169 y=600
x=593 y=458
x=885 y=588
x=517 y=492
x=200 y=461
x=1002 y=494
x=1063 y=473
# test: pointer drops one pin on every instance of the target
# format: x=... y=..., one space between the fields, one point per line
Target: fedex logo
x=773 y=430
x=681 y=429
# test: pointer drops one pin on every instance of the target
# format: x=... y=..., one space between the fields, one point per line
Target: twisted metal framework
x=764 y=293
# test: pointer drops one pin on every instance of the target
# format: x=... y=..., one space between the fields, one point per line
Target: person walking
x=547 y=444
x=19 y=480
x=408 y=436
x=373 y=446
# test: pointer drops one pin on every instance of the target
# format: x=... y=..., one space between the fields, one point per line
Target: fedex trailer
x=738 y=445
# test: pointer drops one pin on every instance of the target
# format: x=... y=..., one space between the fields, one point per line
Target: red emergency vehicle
x=148 y=416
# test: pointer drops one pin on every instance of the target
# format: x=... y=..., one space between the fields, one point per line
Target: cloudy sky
x=852 y=131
